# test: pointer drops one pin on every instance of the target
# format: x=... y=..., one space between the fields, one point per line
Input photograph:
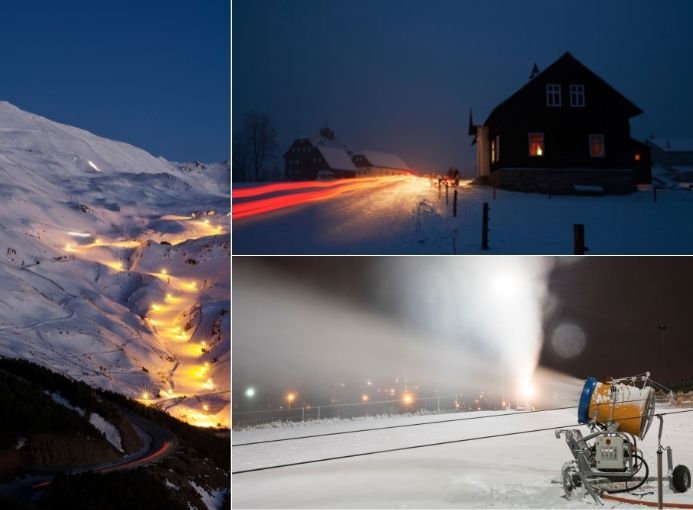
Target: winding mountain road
x=160 y=443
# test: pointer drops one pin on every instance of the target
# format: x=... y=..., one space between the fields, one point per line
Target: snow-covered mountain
x=114 y=265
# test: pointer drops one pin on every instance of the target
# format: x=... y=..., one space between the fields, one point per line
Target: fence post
x=303 y=413
x=484 y=227
x=447 y=192
x=454 y=204
x=318 y=413
x=579 y=247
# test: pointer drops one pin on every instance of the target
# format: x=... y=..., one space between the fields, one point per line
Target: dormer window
x=553 y=94
x=577 y=95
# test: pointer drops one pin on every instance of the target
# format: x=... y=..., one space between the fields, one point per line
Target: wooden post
x=484 y=227
x=579 y=239
x=454 y=204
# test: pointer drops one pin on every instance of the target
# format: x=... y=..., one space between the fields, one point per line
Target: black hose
x=640 y=484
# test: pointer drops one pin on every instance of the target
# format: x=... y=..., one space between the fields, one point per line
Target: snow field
x=520 y=471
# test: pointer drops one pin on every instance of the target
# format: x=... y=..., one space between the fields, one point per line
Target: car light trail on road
x=265 y=205
x=266 y=189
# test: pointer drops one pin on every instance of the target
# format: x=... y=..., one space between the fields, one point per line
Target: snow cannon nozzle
x=617 y=406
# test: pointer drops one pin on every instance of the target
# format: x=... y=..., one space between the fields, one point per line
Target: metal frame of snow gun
x=605 y=460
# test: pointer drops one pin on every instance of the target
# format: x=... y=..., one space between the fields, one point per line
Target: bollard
x=454 y=204
x=484 y=227
x=579 y=247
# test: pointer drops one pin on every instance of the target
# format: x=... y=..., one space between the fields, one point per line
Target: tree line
x=254 y=151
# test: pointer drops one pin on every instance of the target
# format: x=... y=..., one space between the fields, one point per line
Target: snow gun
x=608 y=459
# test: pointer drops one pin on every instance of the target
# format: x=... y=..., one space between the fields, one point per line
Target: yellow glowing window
x=597 y=146
x=536 y=144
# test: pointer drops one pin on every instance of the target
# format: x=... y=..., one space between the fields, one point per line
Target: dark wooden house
x=565 y=131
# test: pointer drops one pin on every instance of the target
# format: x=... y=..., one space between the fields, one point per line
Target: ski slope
x=87 y=227
x=521 y=471
x=409 y=216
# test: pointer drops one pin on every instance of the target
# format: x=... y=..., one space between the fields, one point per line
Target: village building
x=374 y=163
x=325 y=156
x=671 y=152
x=565 y=131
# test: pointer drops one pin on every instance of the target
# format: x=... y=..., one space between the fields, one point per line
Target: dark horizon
x=399 y=77
x=152 y=75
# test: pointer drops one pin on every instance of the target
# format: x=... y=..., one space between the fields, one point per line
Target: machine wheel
x=681 y=478
x=571 y=480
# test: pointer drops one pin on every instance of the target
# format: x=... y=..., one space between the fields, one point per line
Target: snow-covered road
x=411 y=216
x=520 y=471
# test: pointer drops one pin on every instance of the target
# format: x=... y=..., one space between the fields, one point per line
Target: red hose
x=653 y=504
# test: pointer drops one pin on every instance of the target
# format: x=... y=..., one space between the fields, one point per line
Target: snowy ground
x=410 y=216
x=511 y=472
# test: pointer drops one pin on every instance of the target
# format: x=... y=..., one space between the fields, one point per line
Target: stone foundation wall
x=561 y=182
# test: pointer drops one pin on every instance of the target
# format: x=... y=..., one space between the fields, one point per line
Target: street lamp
x=250 y=392
x=662 y=328
x=290 y=397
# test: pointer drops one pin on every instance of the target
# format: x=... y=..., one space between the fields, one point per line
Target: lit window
x=596 y=146
x=495 y=149
x=637 y=157
x=536 y=144
x=553 y=94
x=577 y=95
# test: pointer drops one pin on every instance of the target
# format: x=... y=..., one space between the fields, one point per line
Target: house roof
x=384 y=159
x=673 y=144
x=336 y=158
x=566 y=57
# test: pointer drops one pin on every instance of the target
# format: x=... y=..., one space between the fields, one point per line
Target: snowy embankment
x=412 y=217
x=521 y=471
x=109 y=431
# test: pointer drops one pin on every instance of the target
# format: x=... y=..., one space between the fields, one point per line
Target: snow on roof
x=321 y=141
x=384 y=160
x=337 y=158
x=673 y=144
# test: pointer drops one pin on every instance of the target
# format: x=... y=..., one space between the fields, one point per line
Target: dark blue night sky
x=401 y=76
x=151 y=73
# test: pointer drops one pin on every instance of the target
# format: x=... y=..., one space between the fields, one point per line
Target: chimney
x=535 y=71
x=326 y=132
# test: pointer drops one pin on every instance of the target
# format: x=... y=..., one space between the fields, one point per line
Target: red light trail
x=334 y=188
x=286 y=186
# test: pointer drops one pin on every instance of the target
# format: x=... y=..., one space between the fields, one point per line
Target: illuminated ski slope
x=87 y=228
